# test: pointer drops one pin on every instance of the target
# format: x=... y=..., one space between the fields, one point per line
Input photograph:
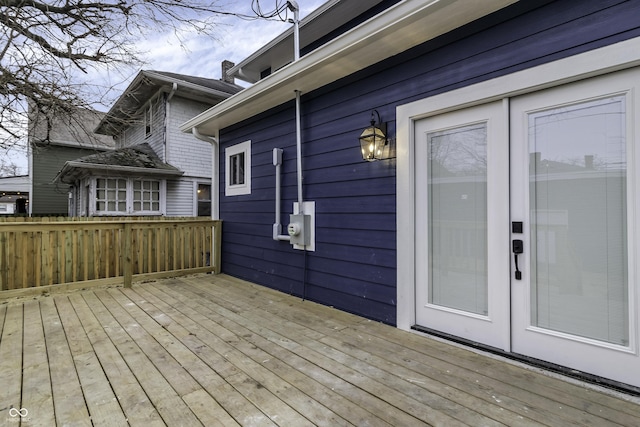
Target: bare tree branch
x=44 y=45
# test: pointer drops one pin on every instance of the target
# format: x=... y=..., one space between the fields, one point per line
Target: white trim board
x=600 y=61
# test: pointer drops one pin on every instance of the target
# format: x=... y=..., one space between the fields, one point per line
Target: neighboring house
x=504 y=211
x=155 y=169
x=65 y=138
x=14 y=195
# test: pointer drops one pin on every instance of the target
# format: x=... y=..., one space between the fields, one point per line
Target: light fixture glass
x=373 y=139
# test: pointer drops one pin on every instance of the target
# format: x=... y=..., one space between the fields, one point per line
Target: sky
x=235 y=39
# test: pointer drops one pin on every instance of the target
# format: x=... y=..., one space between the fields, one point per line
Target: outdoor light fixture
x=373 y=139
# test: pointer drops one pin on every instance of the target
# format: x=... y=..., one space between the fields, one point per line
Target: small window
x=204 y=200
x=148 y=118
x=238 y=169
x=146 y=196
x=111 y=195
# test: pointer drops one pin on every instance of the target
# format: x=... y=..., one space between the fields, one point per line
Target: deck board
x=36 y=380
x=211 y=350
x=136 y=406
x=68 y=399
x=11 y=361
x=102 y=403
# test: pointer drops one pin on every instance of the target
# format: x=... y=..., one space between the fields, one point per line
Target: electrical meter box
x=299 y=229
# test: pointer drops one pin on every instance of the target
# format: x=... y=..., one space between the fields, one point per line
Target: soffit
x=401 y=27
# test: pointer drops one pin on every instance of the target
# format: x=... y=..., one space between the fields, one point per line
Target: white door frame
x=607 y=59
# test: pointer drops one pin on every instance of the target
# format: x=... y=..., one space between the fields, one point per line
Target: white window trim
x=241 y=189
x=616 y=57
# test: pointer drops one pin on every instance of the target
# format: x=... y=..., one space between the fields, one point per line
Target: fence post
x=216 y=256
x=127 y=255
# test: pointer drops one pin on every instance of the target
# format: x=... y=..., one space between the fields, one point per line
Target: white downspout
x=215 y=193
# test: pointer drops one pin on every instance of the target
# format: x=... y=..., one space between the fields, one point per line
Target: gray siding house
x=154 y=169
x=64 y=138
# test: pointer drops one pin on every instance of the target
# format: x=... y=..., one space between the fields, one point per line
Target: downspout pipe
x=215 y=195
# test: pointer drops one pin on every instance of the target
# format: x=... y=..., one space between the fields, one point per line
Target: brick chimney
x=226 y=66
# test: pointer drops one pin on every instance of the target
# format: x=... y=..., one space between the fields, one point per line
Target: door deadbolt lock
x=517 y=246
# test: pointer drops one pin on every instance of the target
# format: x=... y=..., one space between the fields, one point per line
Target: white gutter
x=215 y=181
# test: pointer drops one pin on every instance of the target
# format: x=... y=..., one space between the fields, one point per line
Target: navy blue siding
x=354 y=265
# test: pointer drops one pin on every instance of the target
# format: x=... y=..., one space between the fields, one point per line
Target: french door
x=526 y=225
x=462 y=198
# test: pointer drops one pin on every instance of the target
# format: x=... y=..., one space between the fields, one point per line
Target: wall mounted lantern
x=373 y=139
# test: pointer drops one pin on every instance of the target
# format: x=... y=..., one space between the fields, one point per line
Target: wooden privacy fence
x=38 y=252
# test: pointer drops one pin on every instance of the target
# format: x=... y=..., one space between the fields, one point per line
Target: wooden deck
x=217 y=351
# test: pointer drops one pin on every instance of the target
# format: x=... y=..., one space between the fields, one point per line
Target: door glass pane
x=577 y=165
x=458 y=218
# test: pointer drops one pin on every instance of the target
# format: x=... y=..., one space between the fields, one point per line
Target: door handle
x=518 y=248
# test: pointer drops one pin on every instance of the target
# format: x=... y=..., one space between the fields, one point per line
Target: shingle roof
x=201 y=81
x=137 y=156
x=138 y=159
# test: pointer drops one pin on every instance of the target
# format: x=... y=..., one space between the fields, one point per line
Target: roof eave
x=401 y=27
